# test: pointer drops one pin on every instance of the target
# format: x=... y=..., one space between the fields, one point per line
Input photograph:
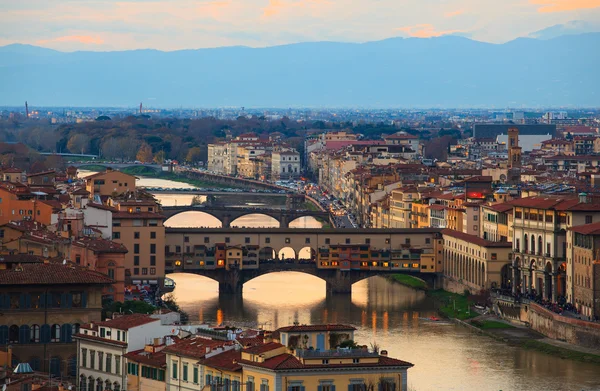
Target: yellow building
x=320 y=337
x=270 y=367
x=420 y=215
x=146 y=367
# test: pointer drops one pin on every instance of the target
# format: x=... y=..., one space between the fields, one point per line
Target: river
x=446 y=356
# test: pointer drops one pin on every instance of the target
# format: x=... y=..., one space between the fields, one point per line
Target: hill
x=447 y=71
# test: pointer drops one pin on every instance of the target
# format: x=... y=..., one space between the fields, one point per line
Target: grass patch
x=410 y=281
x=560 y=352
x=491 y=325
x=140 y=170
x=453 y=305
x=310 y=206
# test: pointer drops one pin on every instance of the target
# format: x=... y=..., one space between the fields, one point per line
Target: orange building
x=30 y=237
x=106 y=257
x=109 y=182
x=17 y=202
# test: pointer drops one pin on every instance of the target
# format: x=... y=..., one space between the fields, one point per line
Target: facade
x=216 y=157
x=43 y=305
x=108 y=183
x=319 y=337
x=584 y=242
x=475 y=263
x=285 y=165
x=401 y=206
x=102 y=347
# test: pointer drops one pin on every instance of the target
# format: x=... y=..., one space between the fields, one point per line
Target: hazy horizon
x=101 y=25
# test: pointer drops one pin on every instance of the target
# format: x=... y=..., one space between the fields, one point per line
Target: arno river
x=446 y=356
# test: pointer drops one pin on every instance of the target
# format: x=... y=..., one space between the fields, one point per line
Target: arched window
x=540 y=246
x=533 y=244
x=13 y=334
x=66 y=333
x=34 y=335
x=55 y=333
x=99 y=384
x=525 y=243
x=116 y=386
x=90 y=383
x=82 y=383
x=107 y=385
x=75 y=328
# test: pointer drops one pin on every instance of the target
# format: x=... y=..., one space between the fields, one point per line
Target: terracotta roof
x=587 y=229
x=127 y=322
x=195 y=347
x=21 y=258
x=267 y=347
x=101 y=206
x=80 y=191
x=101 y=245
x=12 y=170
x=137 y=215
x=247 y=342
x=41 y=173
x=437 y=207
x=289 y=362
x=228 y=361
x=504 y=207
x=51 y=274
x=475 y=239
x=316 y=327
x=155 y=359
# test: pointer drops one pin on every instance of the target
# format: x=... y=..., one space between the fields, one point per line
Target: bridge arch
x=175 y=220
x=299 y=223
x=245 y=221
x=287 y=253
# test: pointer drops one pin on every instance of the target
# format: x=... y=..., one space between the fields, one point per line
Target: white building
x=216 y=157
x=285 y=165
x=101 y=347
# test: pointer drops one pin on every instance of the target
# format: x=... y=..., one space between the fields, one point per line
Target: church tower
x=514 y=151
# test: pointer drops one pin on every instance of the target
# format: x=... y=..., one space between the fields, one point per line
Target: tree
x=144 y=154
x=159 y=157
x=193 y=155
x=111 y=149
x=79 y=143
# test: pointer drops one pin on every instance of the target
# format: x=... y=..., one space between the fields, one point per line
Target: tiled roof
x=228 y=361
x=475 y=239
x=289 y=362
x=101 y=245
x=156 y=359
x=126 y=322
x=21 y=258
x=247 y=342
x=267 y=347
x=504 y=207
x=101 y=206
x=587 y=229
x=316 y=327
x=195 y=347
x=51 y=274
x=41 y=173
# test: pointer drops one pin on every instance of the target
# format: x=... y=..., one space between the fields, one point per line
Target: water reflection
x=446 y=356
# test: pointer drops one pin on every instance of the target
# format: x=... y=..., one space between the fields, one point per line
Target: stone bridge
x=226 y=215
x=337 y=281
x=115 y=166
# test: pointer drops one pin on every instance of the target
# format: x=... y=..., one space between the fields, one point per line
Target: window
x=152 y=260
x=367 y=241
x=327 y=241
x=116 y=223
x=84 y=358
x=186 y=239
x=108 y=363
x=494 y=256
x=137 y=223
x=78 y=259
x=136 y=271
x=136 y=260
x=427 y=241
x=357 y=387
x=206 y=239
x=307 y=241
x=267 y=240
x=153 y=223
x=407 y=241
x=92 y=359
x=117 y=365
x=116 y=235
x=136 y=235
x=246 y=240
x=227 y=240
x=177 y=249
x=55 y=333
x=152 y=235
x=195 y=375
x=185 y=372
x=100 y=360
x=152 y=271
x=347 y=240
x=387 y=241
x=136 y=248
x=588 y=219
x=111 y=273
x=153 y=248
x=144 y=271
x=174 y=370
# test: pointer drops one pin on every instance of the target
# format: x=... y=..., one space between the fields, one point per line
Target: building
x=102 y=349
x=285 y=165
x=109 y=183
x=482 y=130
x=43 y=305
x=475 y=264
x=319 y=337
x=146 y=368
x=401 y=206
x=270 y=367
x=106 y=257
x=584 y=242
x=45 y=178
x=20 y=203
x=139 y=227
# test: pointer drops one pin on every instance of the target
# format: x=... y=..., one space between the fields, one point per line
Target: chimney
x=384 y=353
x=583 y=198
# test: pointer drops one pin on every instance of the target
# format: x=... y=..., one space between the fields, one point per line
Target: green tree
x=193 y=155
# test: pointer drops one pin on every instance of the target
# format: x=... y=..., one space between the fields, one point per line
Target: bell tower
x=514 y=151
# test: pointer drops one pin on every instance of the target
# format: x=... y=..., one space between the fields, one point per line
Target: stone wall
x=575 y=331
x=456 y=286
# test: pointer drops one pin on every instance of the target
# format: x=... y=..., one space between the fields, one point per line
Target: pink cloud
x=548 y=6
x=453 y=13
x=425 y=31
x=85 y=39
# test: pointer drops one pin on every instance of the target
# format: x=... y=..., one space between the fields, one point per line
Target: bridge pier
x=231 y=282
x=340 y=283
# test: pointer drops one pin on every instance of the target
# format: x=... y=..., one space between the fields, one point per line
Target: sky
x=103 y=25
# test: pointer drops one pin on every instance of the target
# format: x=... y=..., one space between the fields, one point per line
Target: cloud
x=275 y=7
x=549 y=6
x=425 y=31
x=453 y=13
x=84 y=39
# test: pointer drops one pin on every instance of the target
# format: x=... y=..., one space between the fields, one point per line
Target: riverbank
x=171 y=176
x=409 y=281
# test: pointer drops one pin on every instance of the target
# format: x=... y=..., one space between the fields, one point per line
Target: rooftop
x=51 y=274
x=126 y=322
x=475 y=239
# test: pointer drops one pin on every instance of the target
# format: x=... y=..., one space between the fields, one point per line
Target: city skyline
x=183 y=24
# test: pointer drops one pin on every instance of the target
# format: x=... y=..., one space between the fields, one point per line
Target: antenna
x=26 y=110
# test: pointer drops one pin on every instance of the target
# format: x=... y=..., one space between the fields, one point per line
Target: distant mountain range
x=447 y=71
